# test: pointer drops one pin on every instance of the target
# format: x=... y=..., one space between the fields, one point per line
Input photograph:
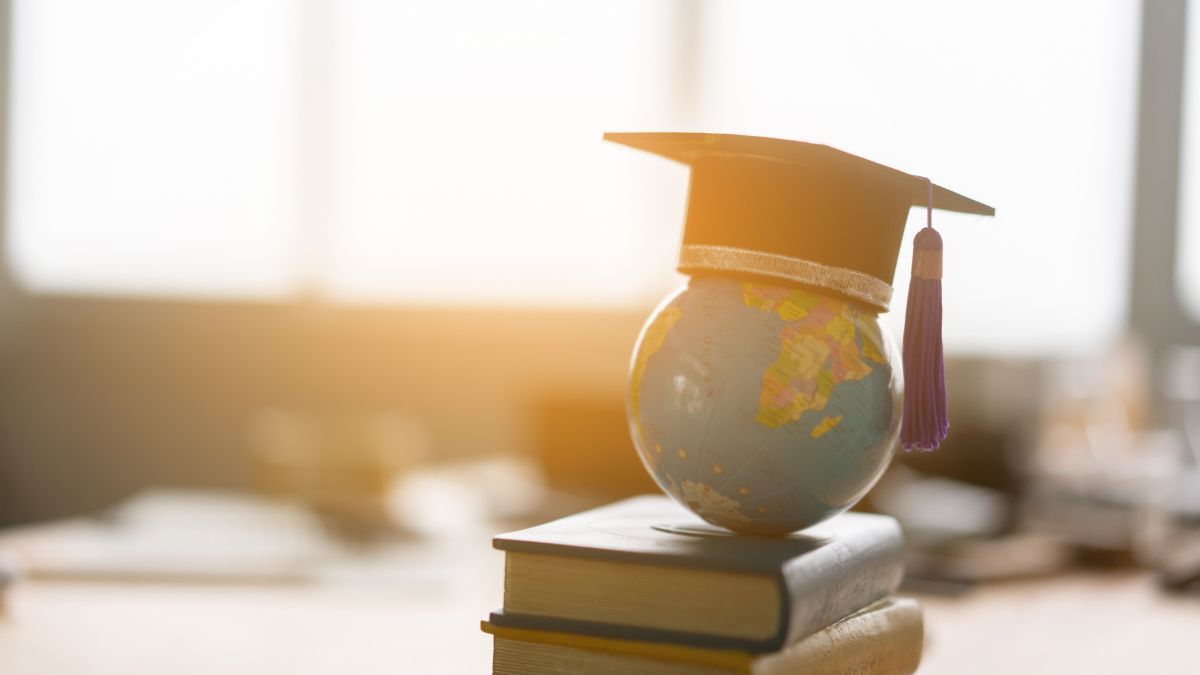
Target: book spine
x=839 y=579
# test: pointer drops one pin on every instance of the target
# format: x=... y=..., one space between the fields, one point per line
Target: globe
x=763 y=408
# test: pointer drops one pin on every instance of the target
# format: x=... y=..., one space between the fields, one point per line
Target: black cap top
x=802 y=212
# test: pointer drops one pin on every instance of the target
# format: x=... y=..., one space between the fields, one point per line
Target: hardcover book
x=646 y=569
x=883 y=639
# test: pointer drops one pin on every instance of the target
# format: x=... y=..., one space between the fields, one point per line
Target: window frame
x=1157 y=314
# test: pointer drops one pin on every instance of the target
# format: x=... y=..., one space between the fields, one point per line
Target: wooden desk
x=1075 y=624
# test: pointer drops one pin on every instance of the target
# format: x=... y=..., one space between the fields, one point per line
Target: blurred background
x=283 y=279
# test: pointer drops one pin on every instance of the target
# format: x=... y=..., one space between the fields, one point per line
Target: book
x=886 y=638
x=647 y=569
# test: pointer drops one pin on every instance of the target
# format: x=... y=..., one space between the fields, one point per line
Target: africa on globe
x=764 y=408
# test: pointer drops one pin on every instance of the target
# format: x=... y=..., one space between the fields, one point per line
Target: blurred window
x=364 y=151
x=1033 y=116
x=470 y=161
x=151 y=146
x=449 y=152
x=1188 y=247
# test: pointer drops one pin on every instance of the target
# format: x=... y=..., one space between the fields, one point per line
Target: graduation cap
x=815 y=216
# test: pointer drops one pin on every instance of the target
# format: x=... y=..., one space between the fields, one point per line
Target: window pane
x=1028 y=106
x=151 y=146
x=470 y=166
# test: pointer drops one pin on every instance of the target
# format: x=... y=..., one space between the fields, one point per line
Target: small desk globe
x=763 y=408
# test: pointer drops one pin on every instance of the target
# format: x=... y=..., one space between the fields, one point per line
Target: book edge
x=701 y=656
x=608 y=631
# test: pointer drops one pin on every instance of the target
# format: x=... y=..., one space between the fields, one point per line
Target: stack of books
x=643 y=586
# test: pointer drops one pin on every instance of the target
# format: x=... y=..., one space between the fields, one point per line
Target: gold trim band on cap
x=848 y=282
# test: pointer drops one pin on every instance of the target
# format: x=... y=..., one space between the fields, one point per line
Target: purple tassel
x=924 y=423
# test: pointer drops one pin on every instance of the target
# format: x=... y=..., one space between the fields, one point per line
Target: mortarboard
x=815 y=216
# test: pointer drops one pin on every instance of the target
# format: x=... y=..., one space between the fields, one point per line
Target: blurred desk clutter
x=1049 y=518
x=8 y=575
x=199 y=581
x=193 y=535
x=94 y=595
x=1076 y=472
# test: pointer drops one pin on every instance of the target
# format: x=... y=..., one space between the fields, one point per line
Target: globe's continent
x=763 y=408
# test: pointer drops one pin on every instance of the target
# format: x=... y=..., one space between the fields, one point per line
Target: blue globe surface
x=763 y=408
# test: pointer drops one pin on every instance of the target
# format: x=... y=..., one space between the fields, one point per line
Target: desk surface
x=1081 y=623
